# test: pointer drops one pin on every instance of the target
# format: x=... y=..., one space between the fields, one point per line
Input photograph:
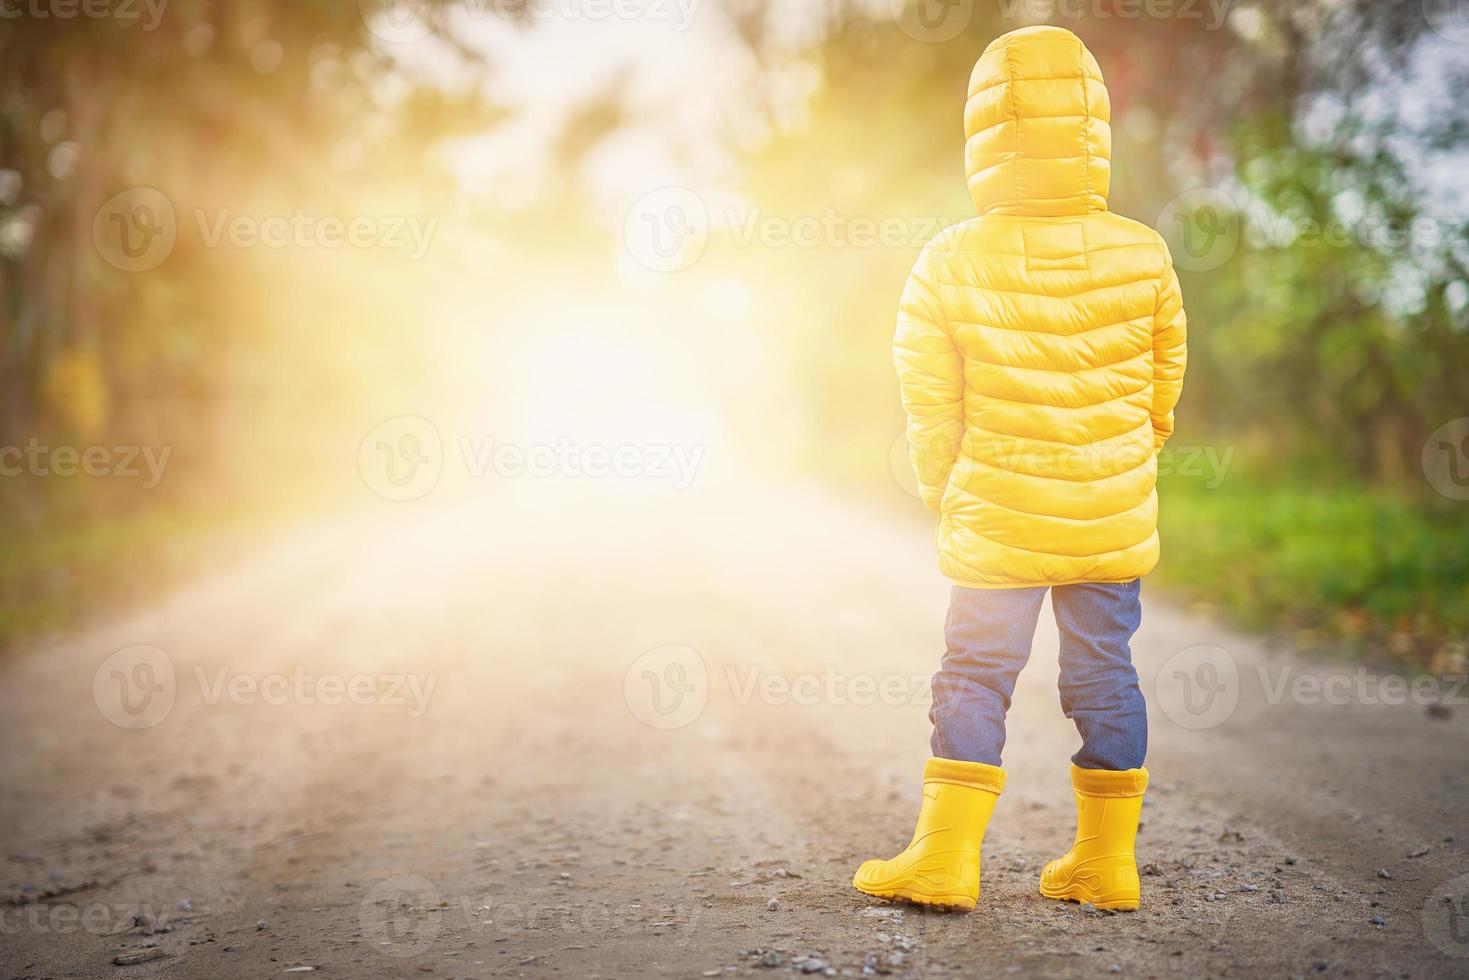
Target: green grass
x=62 y=573
x=1340 y=569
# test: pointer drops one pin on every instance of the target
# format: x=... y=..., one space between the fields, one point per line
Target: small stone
x=1384 y=873
x=813 y=964
x=1114 y=968
x=770 y=958
x=1290 y=860
x=772 y=905
x=261 y=926
x=1418 y=853
x=185 y=905
x=712 y=973
x=136 y=956
x=1088 y=907
x=1378 y=921
x=1278 y=897
x=148 y=924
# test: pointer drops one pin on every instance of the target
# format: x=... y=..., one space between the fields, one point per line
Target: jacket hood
x=1037 y=126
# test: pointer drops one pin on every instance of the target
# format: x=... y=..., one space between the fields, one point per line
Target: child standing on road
x=1040 y=353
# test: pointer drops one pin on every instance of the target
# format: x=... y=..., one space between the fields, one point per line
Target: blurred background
x=524 y=367
x=237 y=238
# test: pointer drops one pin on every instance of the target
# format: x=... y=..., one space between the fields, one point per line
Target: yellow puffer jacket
x=1040 y=346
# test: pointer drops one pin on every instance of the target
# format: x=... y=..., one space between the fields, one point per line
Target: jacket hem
x=1042 y=583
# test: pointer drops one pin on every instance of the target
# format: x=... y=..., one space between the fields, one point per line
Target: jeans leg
x=987 y=637
x=1099 y=687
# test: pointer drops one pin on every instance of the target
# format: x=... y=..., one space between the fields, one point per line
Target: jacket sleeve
x=1170 y=352
x=930 y=381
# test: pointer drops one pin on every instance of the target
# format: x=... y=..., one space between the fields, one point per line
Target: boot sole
x=1074 y=893
x=944 y=903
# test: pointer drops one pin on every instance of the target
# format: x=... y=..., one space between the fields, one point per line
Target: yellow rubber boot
x=1100 y=867
x=941 y=865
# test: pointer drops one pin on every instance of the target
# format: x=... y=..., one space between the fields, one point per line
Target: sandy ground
x=633 y=735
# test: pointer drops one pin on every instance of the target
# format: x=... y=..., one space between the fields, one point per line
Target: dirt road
x=641 y=735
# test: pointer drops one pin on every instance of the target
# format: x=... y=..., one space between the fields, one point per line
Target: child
x=1040 y=353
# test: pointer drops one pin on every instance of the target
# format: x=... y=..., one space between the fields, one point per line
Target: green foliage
x=55 y=576
x=1347 y=569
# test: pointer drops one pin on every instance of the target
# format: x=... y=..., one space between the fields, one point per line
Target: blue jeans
x=988 y=636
